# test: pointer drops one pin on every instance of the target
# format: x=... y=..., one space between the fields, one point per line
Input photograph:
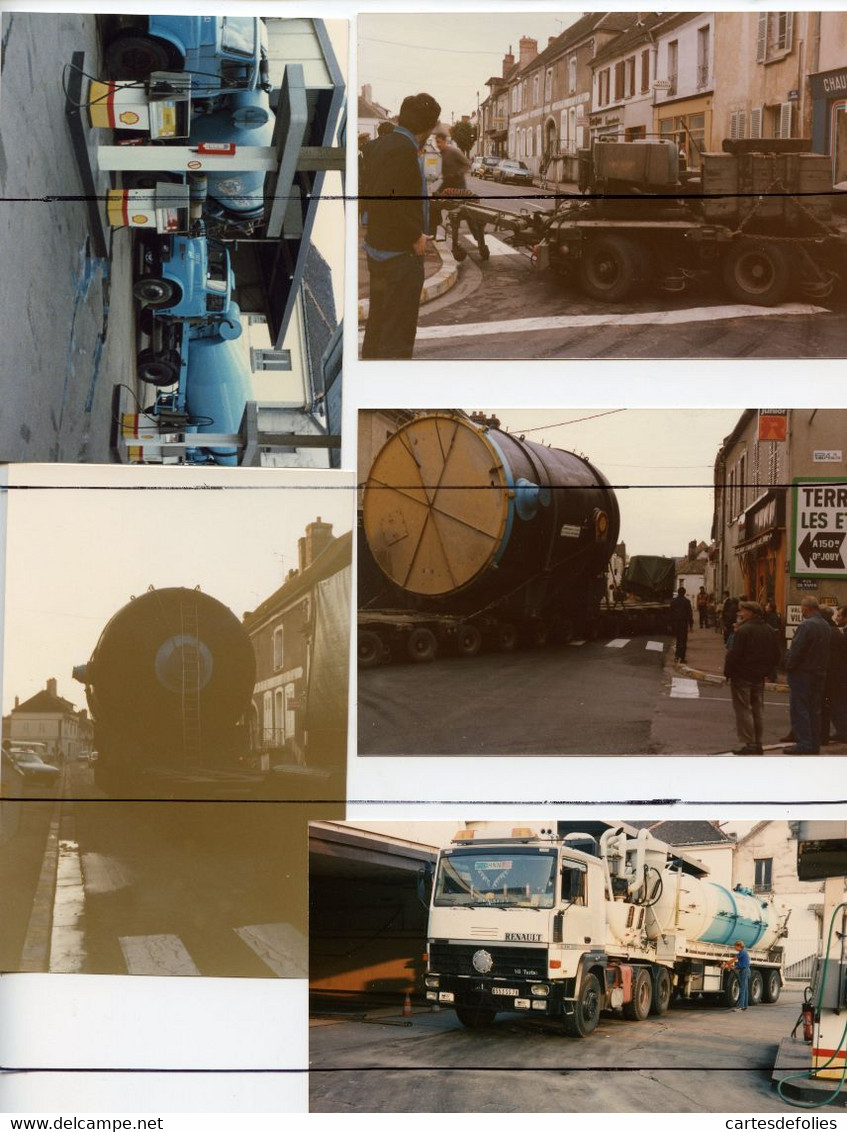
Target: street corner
x=441 y=277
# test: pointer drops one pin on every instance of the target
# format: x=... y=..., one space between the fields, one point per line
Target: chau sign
x=820 y=528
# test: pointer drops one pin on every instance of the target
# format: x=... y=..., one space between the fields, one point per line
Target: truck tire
x=758 y=272
x=586 y=1013
x=638 y=1007
x=756 y=987
x=506 y=636
x=476 y=1017
x=771 y=985
x=156 y=293
x=731 y=990
x=661 y=991
x=157 y=369
x=610 y=267
x=468 y=640
x=421 y=645
x=538 y=634
x=369 y=648
x=133 y=55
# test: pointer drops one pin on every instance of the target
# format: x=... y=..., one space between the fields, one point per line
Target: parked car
x=484 y=166
x=33 y=768
x=12 y=781
x=515 y=171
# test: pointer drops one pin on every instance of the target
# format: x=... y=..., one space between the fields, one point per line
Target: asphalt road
x=67 y=314
x=697 y=1058
x=592 y=698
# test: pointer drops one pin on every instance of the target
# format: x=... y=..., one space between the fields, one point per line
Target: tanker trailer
x=564 y=927
x=471 y=534
x=167 y=685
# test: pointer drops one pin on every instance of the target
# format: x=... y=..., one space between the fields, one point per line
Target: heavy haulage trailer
x=761 y=217
x=564 y=928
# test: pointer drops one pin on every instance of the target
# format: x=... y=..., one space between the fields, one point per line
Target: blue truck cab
x=222 y=53
x=185 y=277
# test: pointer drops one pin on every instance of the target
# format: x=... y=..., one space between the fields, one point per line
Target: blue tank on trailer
x=218 y=381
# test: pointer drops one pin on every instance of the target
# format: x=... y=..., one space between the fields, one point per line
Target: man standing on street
x=682 y=619
x=806 y=664
x=742 y=966
x=753 y=656
x=397 y=211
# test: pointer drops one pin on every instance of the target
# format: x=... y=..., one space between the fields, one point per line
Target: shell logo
x=140 y=218
x=129 y=118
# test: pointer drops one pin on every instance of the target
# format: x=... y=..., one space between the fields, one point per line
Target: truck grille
x=509 y=962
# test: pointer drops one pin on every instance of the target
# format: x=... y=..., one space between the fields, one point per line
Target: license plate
x=511 y=991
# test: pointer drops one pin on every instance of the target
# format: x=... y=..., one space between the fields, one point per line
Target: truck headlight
x=432 y=981
x=539 y=989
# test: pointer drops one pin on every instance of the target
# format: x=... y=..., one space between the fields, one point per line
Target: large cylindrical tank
x=238 y=194
x=218 y=382
x=459 y=515
x=168 y=680
x=710 y=913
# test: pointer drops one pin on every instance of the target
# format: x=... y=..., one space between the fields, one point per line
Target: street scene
x=568 y=965
x=196 y=282
x=163 y=746
x=537 y=582
x=606 y=185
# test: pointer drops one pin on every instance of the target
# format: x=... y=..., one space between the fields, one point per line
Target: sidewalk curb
x=714 y=678
x=434 y=287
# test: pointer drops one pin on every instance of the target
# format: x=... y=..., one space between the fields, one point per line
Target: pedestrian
x=729 y=613
x=682 y=619
x=397 y=209
x=774 y=621
x=454 y=167
x=752 y=656
x=834 y=704
x=806 y=664
x=741 y=965
x=702 y=606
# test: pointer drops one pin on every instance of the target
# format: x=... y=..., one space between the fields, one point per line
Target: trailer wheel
x=610 y=267
x=771 y=985
x=421 y=645
x=506 y=636
x=475 y=1017
x=468 y=640
x=156 y=293
x=638 y=1007
x=756 y=988
x=586 y=1013
x=538 y=634
x=661 y=991
x=757 y=272
x=157 y=369
x=132 y=55
x=369 y=648
x=731 y=989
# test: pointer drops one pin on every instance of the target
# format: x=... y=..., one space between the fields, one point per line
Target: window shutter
x=756 y=122
x=762 y=38
x=785 y=119
x=789 y=30
x=733 y=124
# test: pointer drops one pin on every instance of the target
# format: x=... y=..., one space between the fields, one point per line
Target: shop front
x=829 y=118
x=688 y=122
x=761 y=549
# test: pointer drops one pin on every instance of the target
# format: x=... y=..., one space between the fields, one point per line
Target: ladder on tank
x=191 y=737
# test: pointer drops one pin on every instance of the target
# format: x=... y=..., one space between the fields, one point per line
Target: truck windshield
x=238 y=35
x=519 y=878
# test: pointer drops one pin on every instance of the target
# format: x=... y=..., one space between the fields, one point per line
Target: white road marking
x=585 y=321
x=497 y=247
x=281 y=946
x=618 y=642
x=574 y=644
x=655 y=646
x=104 y=874
x=67 y=951
x=156 y=955
x=682 y=688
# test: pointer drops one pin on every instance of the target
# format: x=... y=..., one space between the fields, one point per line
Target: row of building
x=299 y=636
x=692 y=77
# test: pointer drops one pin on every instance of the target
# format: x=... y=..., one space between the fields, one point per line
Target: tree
x=464 y=135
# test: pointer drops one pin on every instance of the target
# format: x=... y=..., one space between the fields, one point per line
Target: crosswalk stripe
x=104 y=874
x=618 y=642
x=497 y=247
x=280 y=946
x=655 y=646
x=156 y=955
x=683 y=688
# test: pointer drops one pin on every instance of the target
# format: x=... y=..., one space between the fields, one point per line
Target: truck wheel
x=157 y=293
x=637 y=1009
x=731 y=989
x=610 y=268
x=506 y=637
x=157 y=369
x=369 y=648
x=771 y=985
x=421 y=645
x=468 y=640
x=756 y=272
x=132 y=55
x=475 y=1017
x=661 y=991
x=586 y=1012
x=756 y=988
x=538 y=634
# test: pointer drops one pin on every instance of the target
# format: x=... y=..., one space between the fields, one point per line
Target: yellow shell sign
x=129 y=117
x=139 y=218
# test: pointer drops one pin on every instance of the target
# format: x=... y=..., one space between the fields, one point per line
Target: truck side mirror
x=425 y=884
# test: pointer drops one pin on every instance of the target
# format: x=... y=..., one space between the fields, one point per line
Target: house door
x=839 y=142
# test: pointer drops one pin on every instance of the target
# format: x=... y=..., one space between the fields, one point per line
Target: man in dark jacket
x=682 y=619
x=834 y=706
x=806 y=664
x=397 y=210
x=754 y=654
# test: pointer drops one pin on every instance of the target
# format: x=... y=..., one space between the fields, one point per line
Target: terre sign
x=820 y=528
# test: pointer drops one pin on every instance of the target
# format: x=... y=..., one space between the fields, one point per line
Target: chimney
x=551 y=39
x=51 y=686
x=528 y=49
x=317 y=538
x=692 y=549
x=367 y=93
x=17 y=702
x=508 y=62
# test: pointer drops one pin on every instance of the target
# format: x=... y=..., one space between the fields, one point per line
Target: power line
x=576 y=420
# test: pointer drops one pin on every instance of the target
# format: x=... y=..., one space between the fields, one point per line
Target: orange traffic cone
x=407 y=1006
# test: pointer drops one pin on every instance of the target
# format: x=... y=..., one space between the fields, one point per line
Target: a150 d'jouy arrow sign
x=820 y=527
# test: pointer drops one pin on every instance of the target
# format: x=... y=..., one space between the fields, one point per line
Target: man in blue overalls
x=742 y=966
